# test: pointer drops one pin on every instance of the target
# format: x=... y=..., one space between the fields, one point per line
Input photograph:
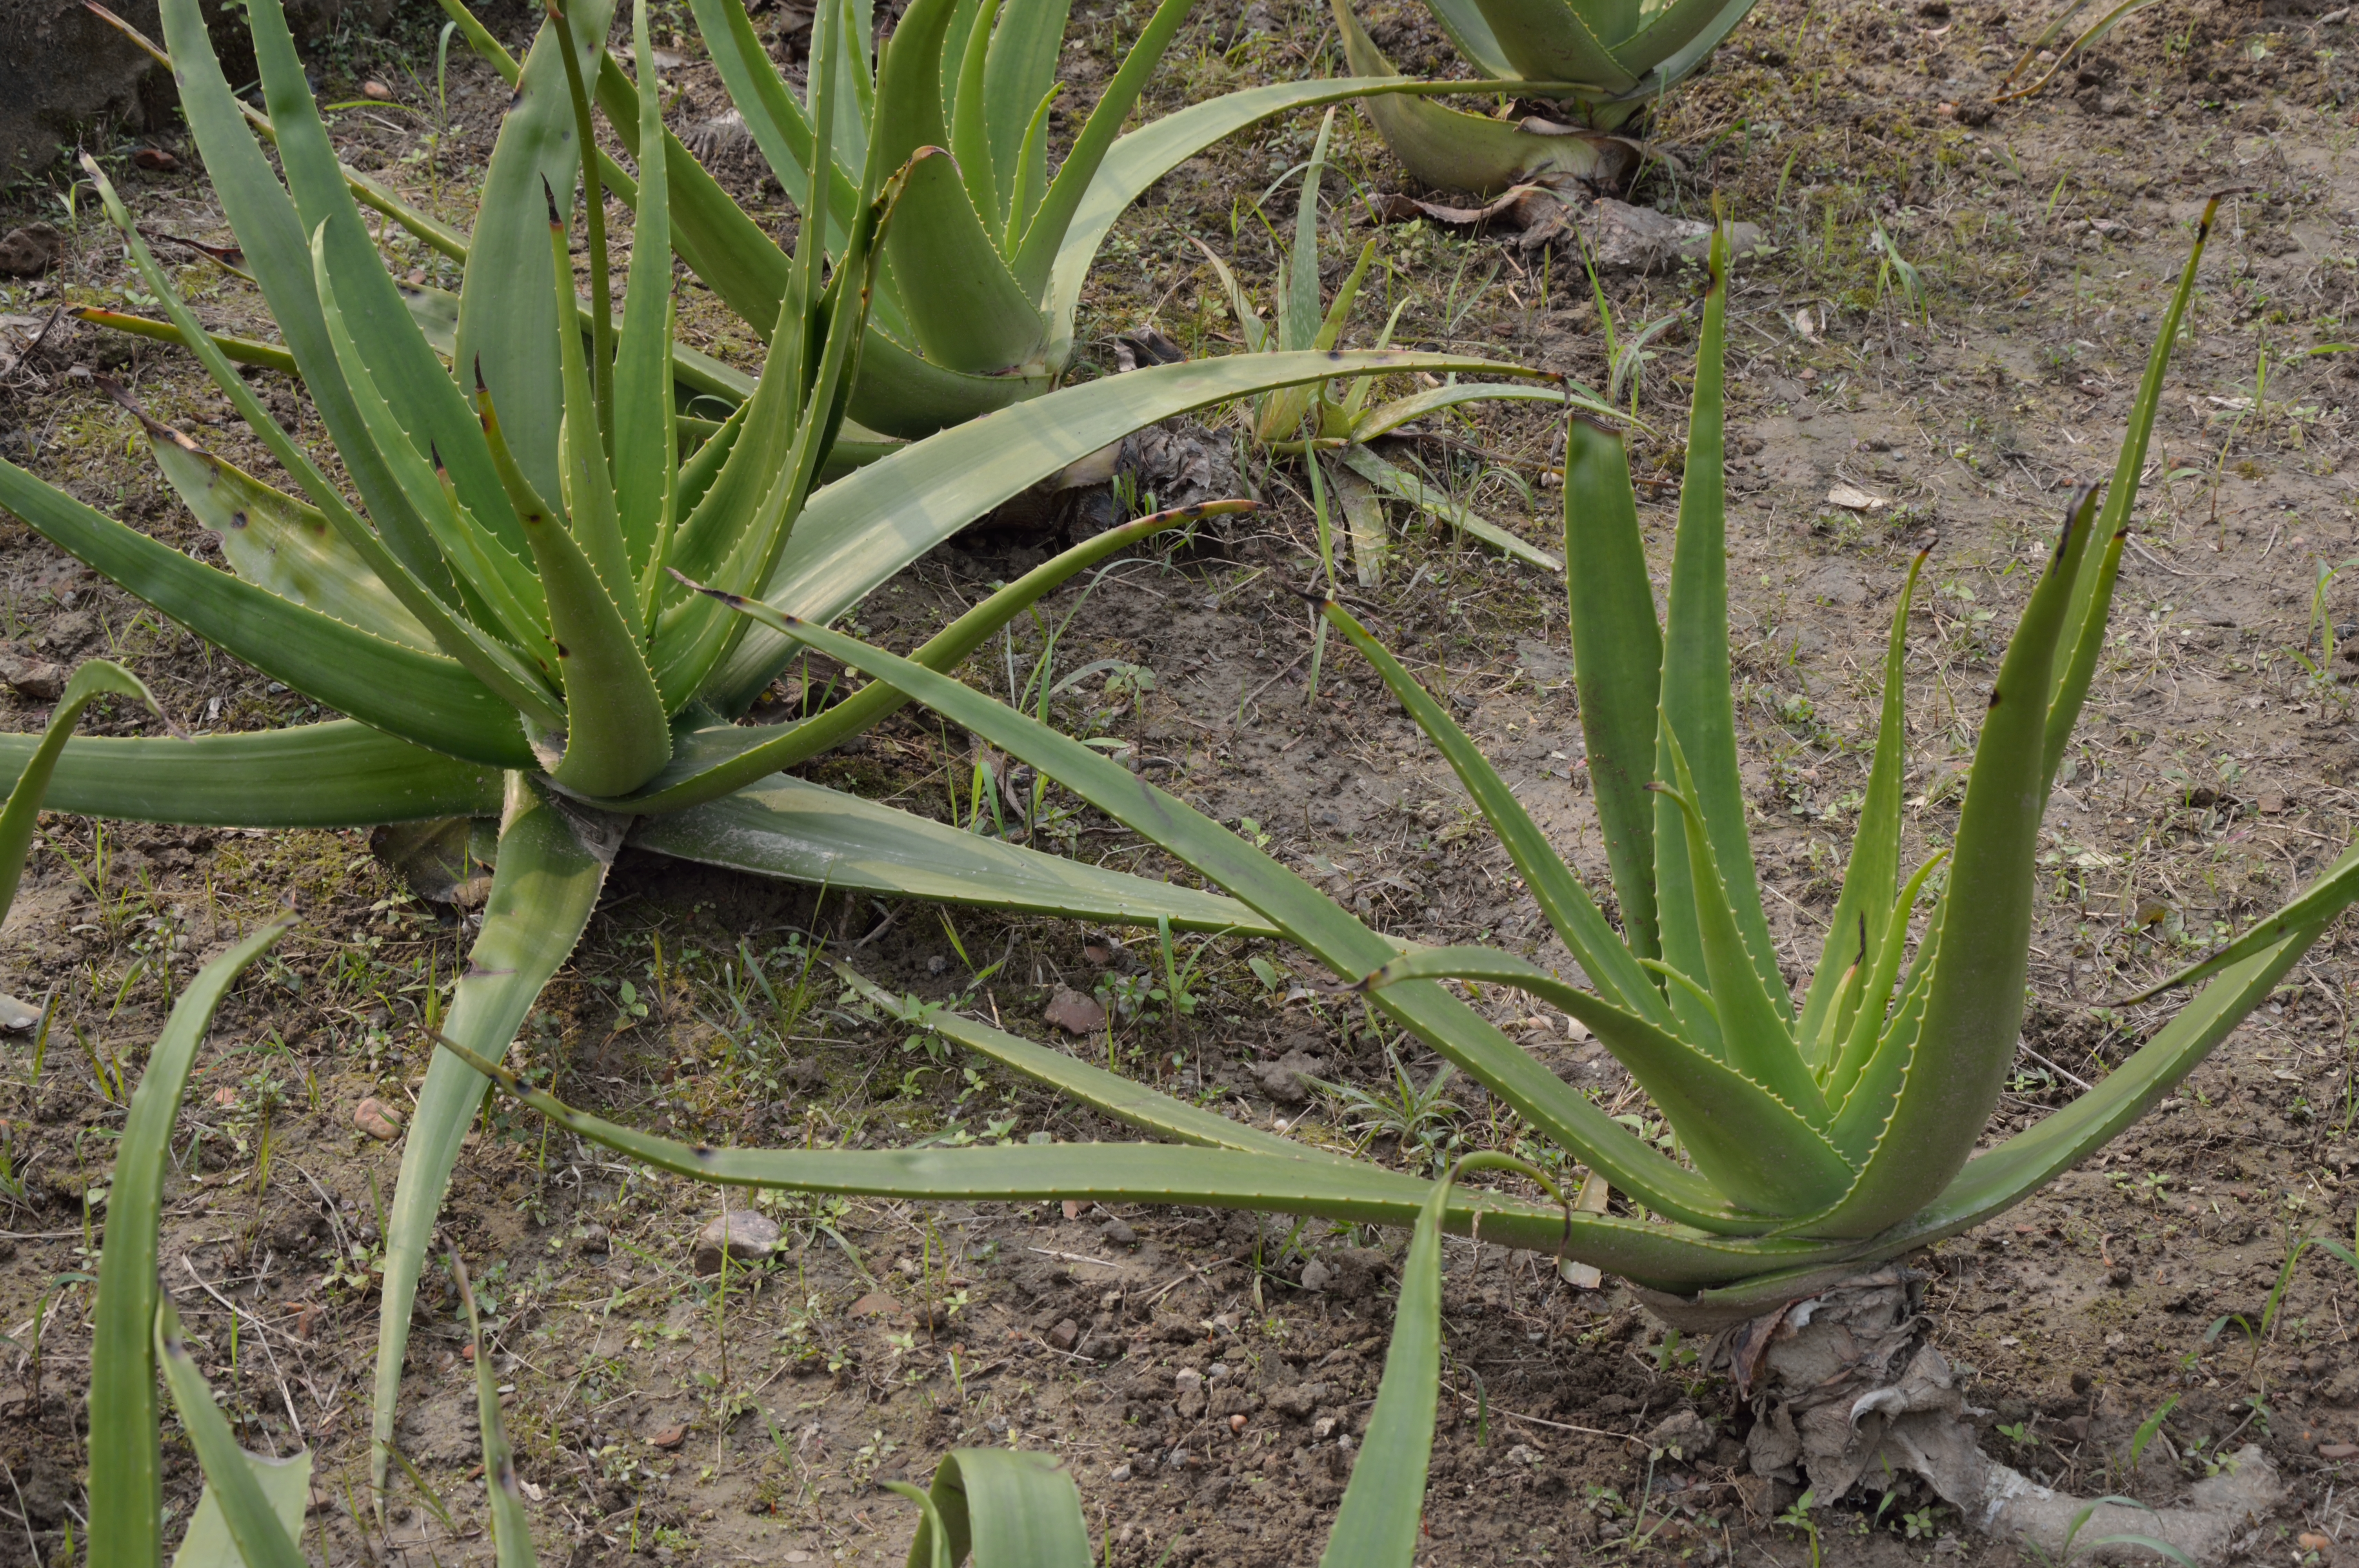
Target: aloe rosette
x=1816 y=1137
x=496 y=605
x=1597 y=63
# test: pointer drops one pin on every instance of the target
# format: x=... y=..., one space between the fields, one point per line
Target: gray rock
x=746 y=1235
x=63 y=72
x=1118 y=1234
x=1283 y=1079
x=31 y=250
x=1315 y=1275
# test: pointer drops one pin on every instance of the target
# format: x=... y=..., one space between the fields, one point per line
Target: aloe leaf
x=2093 y=592
x=969 y=43
x=1696 y=707
x=403 y=368
x=1855 y=932
x=1019 y=78
x=2321 y=901
x=1307 y=916
x=1556 y=40
x=1884 y=1056
x=1448 y=148
x=272 y=236
x=1665 y=1256
x=505 y=594
x=780 y=126
x=544 y=886
x=1617 y=660
x=1387 y=417
x=1468 y=29
x=1975 y=998
x=336 y=774
x=1379 y=1522
x=1399 y=483
x=254 y=1525
x=285 y=1486
x=239 y=351
x=1866 y=1026
x=126 y=1489
x=616 y=734
x=973 y=314
x=808 y=833
x=1039 y=256
x=591 y=518
x=93 y=679
x=859 y=531
x=710 y=762
x=1006 y=1505
x=1997 y=1180
x=1572 y=914
x=1668 y=30
x=1132 y=1103
x=1750 y=1141
x=1298 y=313
x=690 y=642
x=277 y=542
x=646 y=441
x=511 y=1528
x=901 y=392
x=418 y=696
x=457 y=638
x=1756 y=1034
x=507 y=305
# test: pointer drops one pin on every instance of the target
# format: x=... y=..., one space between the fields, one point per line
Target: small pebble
x=745 y=1235
x=1237 y=1423
x=1118 y=1234
x=1121 y=1473
x=376 y=89
x=378 y=1119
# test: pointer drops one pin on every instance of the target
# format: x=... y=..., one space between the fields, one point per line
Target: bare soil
x=657 y=1416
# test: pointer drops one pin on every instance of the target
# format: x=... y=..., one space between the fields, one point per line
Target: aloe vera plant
x=990 y=247
x=500 y=610
x=1336 y=419
x=1595 y=63
x=1816 y=1138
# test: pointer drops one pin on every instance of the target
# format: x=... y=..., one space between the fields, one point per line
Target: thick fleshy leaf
x=254 y=1525
x=808 y=833
x=646 y=441
x=336 y=774
x=507 y=312
x=402 y=364
x=277 y=542
x=1668 y=1257
x=418 y=696
x=710 y=762
x=1018 y=74
x=861 y=530
x=1696 y=705
x=1383 y=1503
x=285 y=1486
x=1975 y=998
x=551 y=864
x=91 y=680
x=1570 y=913
x=1310 y=917
x=1448 y=148
x=1751 y=1142
x=272 y=237
x=2093 y=593
x=1617 y=663
x=127 y=1488
x=1399 y=483
x=1128 y=1102
x=1855 y=932
x=1553 y=40
x=1006 y=1505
